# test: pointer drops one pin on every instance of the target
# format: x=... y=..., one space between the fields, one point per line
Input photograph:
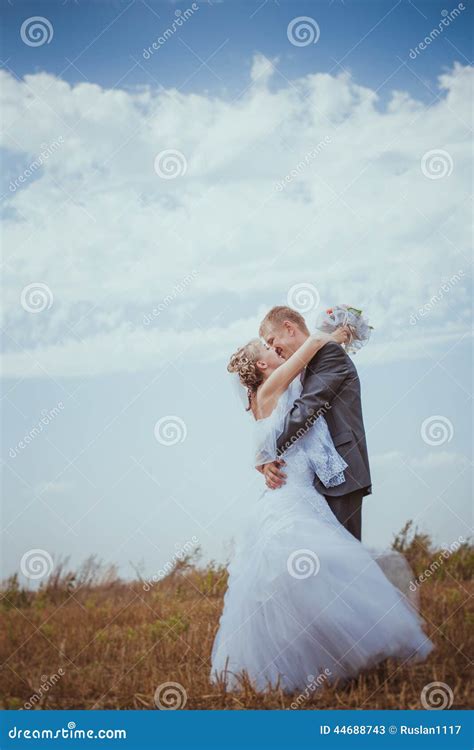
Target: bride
x=304 y=596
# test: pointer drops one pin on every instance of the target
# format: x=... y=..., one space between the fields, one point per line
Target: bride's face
x=268 y=359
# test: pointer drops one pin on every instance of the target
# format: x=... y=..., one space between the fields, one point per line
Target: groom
x=331 y=388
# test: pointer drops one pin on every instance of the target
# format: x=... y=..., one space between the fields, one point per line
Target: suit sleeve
x=323 y=379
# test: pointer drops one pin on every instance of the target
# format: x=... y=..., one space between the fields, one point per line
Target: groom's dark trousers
x=348 y=511
x=331 y=388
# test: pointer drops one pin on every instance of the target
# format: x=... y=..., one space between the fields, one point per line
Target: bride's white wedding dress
x=304 y=597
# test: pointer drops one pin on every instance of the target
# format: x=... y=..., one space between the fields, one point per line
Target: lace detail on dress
x=316 y=444
x=326 y=462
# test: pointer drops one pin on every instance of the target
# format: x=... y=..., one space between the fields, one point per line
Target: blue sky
x=100 y=40
x=343 y=166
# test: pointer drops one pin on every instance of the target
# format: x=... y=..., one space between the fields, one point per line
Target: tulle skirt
x=306 y=599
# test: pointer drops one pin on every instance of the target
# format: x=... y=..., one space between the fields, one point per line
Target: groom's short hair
x=277 y=316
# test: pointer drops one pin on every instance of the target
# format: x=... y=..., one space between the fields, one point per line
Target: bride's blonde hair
x=244 y=363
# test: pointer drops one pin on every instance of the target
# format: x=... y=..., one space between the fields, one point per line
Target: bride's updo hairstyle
x=244 y=363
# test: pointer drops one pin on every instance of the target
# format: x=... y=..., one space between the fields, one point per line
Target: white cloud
x=112 y=240
x=262 y=68
x=452 y=462
x=433 y=461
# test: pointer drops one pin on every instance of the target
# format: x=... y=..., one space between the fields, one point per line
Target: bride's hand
x=341 y=335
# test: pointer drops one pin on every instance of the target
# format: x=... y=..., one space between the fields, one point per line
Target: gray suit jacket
x=331 y=388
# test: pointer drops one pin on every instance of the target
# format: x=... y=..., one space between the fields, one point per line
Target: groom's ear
x=289 y=327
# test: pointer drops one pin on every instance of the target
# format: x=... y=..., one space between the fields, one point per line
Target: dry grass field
x=91 y=641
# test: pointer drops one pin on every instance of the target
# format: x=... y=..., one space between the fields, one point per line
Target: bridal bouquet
x=345 y=315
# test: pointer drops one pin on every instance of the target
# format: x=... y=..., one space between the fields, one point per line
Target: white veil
x=240 y=391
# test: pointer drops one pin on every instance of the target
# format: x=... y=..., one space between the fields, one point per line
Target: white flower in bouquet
x=345 y=315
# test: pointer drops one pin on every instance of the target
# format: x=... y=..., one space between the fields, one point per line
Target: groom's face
x=282 y=339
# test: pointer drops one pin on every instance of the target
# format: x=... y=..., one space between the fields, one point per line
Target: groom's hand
x=274 y=476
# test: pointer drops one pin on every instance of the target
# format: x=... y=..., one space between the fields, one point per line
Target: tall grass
x=87 y=639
